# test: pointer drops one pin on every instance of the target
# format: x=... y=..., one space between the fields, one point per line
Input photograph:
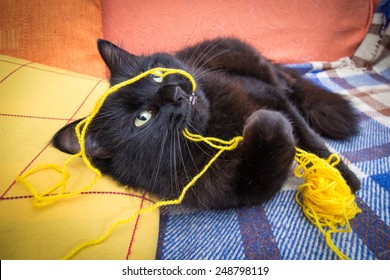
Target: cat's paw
x=268 y=154
x=271 y=133
x=267 y=125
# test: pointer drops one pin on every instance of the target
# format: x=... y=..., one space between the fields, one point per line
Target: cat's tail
x=330 y=114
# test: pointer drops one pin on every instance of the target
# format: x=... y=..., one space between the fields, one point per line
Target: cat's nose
x=173 y=93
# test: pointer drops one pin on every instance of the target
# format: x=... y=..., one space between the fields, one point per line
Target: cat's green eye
x=157 y=77
x=142 y=118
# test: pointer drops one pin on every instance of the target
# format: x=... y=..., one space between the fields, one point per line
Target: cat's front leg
x=268 y=153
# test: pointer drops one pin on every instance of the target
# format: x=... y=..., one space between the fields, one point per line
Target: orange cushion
x=284 y=30
x=56 y=33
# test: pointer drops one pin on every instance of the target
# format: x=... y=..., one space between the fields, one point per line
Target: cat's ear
x=113 y=55
x=66 y=141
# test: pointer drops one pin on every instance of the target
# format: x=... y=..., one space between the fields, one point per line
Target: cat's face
x=137 y=134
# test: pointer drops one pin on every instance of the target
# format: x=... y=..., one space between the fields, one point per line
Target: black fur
x=239 y=92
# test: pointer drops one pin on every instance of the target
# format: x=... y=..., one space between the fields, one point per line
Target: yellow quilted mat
x=36 y=101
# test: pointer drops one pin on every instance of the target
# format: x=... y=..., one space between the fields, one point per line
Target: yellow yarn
x=325 y=198
x=43 y=199
x=219 y=144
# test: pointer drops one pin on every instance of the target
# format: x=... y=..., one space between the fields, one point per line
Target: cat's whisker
x=205 y=53
x=158 y=164
x=128 y=131
x=172 y=162
x=194 y=130
x=204 y=72
x=177 y=153
x=195 y=62
x=95 y=135
x=191 y=157
x=192 y=55
x=214 y=56
x=180 y=153
x=197 y=171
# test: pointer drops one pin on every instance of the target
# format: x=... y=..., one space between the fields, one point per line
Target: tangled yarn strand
x=223 y=146
x=46 y=197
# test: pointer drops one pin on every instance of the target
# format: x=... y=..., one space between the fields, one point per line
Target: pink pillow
x=284 y=30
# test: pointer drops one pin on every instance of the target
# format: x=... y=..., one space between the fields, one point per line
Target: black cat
x=136 y=138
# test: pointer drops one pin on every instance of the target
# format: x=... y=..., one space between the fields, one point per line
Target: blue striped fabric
x=278 y=229
x=217 y=230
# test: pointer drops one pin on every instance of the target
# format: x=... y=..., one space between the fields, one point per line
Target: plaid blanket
x=278 y=229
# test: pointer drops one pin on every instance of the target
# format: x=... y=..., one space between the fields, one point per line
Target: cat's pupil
x=142 y=118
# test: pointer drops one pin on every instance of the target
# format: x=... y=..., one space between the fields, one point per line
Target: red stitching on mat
x=28 y=165
x=64 y=74
x=84 y=193
x=78 y=109
x=71 y=118
x=121 y=193
x=33 y=117
x=76 y=75
x=135 y=229
x=10 y=62
x=16 y=197
x=12 y=72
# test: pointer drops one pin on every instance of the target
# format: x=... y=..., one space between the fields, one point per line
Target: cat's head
x=136 y=137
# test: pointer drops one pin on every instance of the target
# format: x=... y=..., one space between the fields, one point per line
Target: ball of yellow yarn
x=325 y=197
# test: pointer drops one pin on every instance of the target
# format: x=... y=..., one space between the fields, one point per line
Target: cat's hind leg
x=329 y=114
x=268 y=154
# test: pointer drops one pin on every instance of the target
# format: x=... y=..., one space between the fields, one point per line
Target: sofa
x=51 y=74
